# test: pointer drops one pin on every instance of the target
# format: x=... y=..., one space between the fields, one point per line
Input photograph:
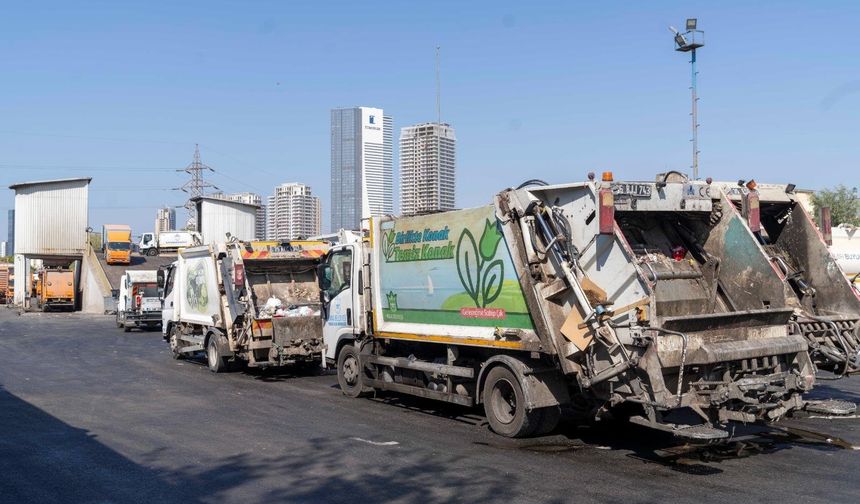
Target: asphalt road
x=138 y=262
x=91 y=414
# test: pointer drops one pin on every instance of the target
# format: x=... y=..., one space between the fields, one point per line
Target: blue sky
x=121 y=91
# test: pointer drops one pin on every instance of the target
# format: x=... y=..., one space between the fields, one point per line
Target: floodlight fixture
x=688 y=42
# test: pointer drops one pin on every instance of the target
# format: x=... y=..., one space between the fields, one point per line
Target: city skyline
x=552 y=93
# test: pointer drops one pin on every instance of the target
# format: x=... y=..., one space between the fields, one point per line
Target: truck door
x=336 y=283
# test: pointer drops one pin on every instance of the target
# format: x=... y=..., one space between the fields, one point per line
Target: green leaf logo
x=388 y=245
x=483 y=285
x=392 y=301
x=490 y=239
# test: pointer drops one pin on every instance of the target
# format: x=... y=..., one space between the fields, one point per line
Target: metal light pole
x=689 y=41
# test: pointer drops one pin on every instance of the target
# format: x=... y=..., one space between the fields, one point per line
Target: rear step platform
x=691 y=432
x=831 y=407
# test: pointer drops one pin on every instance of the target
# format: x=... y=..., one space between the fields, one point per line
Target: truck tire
x=216 y=363
x=505 y=405
x=152 y=252
x=349 y=374
x=174 y=343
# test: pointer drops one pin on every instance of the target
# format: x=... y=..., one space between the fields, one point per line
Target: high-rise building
x=10 y=239
x=3 y=251
x=362 y=177
x=427 y=168
x=165 y=220
x=251 y=199
x=293 y=213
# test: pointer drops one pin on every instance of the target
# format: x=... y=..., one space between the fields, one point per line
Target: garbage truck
x=825 y=303
x=649 y=301
x=153 y=244
x=55 y=288
x=243 y=304
x=138 y=304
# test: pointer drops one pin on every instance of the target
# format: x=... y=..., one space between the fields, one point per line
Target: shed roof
x=46 y=182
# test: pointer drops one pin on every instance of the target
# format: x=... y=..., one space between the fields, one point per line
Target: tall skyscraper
x=427 y=168
x=362 y=177
x=165 y=220
x=10 y=240
x=251 y=199
x=292 y=213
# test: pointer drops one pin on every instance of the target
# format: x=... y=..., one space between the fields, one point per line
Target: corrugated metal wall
x=219 y=217
x=51 y=218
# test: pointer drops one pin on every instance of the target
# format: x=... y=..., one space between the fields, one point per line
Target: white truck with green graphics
x=602 y=298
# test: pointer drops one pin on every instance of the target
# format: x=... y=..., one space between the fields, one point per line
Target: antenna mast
x=438 y=91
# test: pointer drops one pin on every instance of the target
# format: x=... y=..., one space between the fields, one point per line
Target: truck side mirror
x=324 y=277
x=159 y=277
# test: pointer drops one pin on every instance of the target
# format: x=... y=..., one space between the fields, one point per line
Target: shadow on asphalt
x=636 y=442
x=46 y=460
x=43 y=459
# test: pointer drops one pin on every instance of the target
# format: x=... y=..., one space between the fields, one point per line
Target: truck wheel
x=505 y=405
x=349 y=373
x=217 y=364
x=126 y=328
x=152 y=252
x=175 y=344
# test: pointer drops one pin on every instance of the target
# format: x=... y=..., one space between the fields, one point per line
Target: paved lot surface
x=138 y=262
x=91 y=414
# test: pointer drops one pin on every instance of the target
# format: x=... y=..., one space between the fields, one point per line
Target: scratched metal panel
x=51 y=217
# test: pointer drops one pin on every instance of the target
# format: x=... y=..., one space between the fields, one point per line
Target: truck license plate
x=633 y=190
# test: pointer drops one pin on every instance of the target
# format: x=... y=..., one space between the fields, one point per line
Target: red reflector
x=826 y=225
x=679 y=253
x=239 y=275
x=606 y=217
x=752 y=211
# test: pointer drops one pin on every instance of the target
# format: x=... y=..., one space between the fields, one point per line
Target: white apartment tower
x=293 y=213
x=165 y=220
x=427 y=168
x=362 y=178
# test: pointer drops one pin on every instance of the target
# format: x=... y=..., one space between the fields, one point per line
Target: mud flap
x=542 y=387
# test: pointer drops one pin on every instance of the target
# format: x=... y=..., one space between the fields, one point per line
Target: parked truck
x=647 y=300
x=245 y=305
x=55 y=289
x=138 y=304
x=116 y=242
x=7 y=276
x=152 y=244
x=826 y=305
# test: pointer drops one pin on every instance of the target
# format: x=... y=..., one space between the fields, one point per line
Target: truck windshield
x=149 y=290
x=119 y=246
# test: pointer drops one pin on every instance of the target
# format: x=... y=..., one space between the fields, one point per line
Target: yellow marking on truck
x=517 y=345
x=261 y=324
